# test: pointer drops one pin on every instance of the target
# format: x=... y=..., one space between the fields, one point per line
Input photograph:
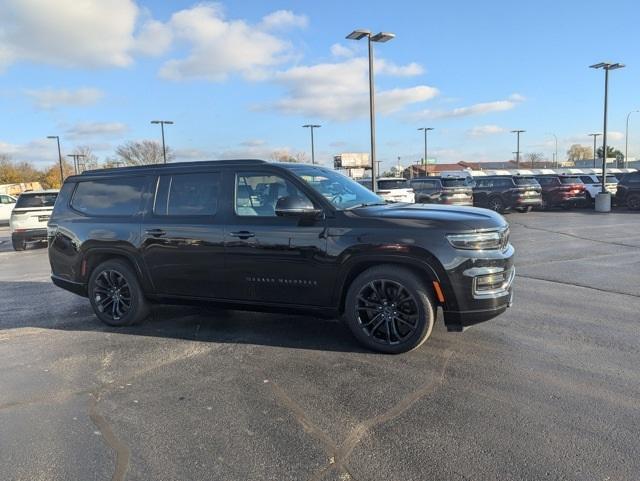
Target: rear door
x=183 y=234
x=272 y=259
x=481 y=191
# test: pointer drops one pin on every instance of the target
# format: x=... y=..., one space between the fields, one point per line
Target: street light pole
x=426 y=130
x=556 y=155
x=162 y=122
x=518 y=132
x=626 y=140
x=313 y=152
x=381 y=38
x=59 y=156
x=594 y=148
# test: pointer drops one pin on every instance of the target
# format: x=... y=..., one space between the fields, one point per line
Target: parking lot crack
x=608 y=291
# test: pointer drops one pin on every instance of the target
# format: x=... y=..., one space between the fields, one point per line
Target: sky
x=239 y=79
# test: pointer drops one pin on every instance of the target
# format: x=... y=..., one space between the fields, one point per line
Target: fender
x=125 y=250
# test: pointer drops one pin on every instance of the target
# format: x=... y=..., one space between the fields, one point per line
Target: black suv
x=252 y=235
x=505 y=192
x=442 y=190
x=628 y=192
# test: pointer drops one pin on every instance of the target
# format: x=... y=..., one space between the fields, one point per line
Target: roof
x=40 y=191
x=173 y=165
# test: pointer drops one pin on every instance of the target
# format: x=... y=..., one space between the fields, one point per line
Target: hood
x=455 y=217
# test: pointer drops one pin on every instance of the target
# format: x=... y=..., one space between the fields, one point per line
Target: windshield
x=525 y=181
x=393 y=184
x=570 y=180
x=453 y=182
x=37 y=200
x=610 y=179
x=340 y=190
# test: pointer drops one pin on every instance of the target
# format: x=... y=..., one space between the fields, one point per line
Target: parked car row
x=506 y=191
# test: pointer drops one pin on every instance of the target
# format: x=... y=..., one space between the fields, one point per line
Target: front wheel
x=115 y=294
x=633 y=201
x=389 y=309
x=496 y=204
x=19 y=244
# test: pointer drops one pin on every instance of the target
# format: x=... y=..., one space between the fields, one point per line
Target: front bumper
x=468 y=305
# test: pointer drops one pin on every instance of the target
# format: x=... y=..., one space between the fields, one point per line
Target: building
x=354 y=164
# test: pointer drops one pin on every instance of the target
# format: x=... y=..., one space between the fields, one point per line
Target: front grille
x=504 y=238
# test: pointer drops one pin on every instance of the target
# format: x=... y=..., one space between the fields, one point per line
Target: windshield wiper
x=365 y=204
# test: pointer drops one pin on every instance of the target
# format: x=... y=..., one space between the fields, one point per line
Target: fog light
x=490 y=282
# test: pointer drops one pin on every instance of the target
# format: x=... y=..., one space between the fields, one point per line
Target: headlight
x=480 y=240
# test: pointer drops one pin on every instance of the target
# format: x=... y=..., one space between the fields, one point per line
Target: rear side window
x=37 y=200
x=547 y=180
x=188 y=194
x=109 y=197
x=586 y=179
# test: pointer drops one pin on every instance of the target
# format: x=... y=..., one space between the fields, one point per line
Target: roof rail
x=199 y=163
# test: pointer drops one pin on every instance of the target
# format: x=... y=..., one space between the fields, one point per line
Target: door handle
x=155 y=232
x=243 y=234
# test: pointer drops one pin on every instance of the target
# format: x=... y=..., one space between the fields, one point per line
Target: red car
x=564 y=191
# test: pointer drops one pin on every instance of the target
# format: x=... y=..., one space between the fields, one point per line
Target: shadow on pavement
x=60 y=310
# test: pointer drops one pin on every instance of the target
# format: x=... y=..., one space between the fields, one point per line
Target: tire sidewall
x=498 y=201
x=631 y=198
x=417 y=288
x=138 y=309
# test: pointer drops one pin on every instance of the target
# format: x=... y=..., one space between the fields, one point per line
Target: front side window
x=188 y=194
x=258 y=193
x=340 y=190
x=109 y=197
x=5 y=199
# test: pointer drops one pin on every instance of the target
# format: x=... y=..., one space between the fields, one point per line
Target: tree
x=579 y=152
x=284 y=155
x=50 y=178
x=143 y=152
x=14 y=172
x=89 y=161
x=611 y=152
x=534 y=158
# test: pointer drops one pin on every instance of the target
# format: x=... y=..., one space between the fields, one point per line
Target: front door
x=272 y=259
x=183 y=236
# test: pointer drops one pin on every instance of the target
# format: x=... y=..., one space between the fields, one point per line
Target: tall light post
x=381 y=37
x=76 y=162
x=606 y=66
x=556 y=154
x=59 y=156
x=626 y=140
x=426 y=130
x=594 y=147
x=162 y=123
x=313 y=152
x=518 y=132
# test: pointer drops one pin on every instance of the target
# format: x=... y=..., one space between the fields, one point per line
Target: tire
x=19 y=245
x=376 y=318
x=496 y=204
x=633 y=201
x=116 y=278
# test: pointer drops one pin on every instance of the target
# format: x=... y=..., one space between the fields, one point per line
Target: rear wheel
x=115 y=294
x=496 y=204
x=633 y=201
x=19 y=244
x=389 y=309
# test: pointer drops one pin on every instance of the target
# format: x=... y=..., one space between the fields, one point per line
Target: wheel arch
x=95 y=256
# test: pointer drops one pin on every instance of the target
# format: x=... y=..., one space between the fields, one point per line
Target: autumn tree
x=12 y=172
x=143 y=152
x=50 y=178
x=579 y=152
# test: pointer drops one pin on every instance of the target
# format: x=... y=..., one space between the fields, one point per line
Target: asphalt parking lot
x=550 y=390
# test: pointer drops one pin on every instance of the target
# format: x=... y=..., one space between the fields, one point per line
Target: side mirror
x=296 y=206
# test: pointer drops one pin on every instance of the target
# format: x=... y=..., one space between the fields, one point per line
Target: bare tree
x=534 y=158
x=143 y=152
x=89 y=160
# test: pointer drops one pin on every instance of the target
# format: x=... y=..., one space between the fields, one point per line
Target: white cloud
x=475 y=109
x=616 y=136
x=70 y=33
x=339 y=50
x=154 y=38
x=85 y=130
x=39 y=151
x=51 y=98
x=339 y=91
x=219 y=47
x=482 y=130
x=389 y=68
x=283 y=19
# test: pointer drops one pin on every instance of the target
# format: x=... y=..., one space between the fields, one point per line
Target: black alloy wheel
x=633 y=201
x=389 y=309
x=496 y=204
x=115 y=294
x=387 y=312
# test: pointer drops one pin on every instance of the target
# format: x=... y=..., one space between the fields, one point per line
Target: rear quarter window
x=109 y=197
